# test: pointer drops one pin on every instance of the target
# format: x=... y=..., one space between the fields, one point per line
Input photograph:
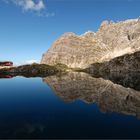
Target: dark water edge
x=70 y=105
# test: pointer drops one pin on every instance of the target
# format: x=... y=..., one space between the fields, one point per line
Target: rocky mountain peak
x=88 y=35
x=68 y=34
x=104 y=24
x=110 y=41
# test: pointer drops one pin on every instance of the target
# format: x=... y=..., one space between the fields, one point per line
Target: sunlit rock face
x=75 y=51
x=122 y=37
x=110 y=97
x=110 y=41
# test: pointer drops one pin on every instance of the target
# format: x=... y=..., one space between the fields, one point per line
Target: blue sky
x=27 y=30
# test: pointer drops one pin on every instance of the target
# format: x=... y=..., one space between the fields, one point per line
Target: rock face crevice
x=110 y=41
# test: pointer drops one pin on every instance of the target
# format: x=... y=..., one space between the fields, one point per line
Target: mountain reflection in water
x=109 y=96
x=70 y=105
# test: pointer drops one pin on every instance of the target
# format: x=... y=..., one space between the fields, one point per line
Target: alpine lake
x=70 y=105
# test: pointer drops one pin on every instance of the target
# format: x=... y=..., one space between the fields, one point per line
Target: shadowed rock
x=126 y=63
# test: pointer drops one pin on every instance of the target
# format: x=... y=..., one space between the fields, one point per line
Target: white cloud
x=26 y=62
x=31 y=61
x=36 y=6
x=30 y=4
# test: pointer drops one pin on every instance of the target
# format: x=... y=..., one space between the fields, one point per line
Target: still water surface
x=74 y=105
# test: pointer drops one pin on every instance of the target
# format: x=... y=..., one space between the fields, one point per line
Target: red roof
x=6 y=63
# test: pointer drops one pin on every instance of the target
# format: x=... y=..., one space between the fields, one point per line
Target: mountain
x=110 y=41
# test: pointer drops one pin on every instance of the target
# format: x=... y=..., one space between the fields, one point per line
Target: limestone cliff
x=110 y=41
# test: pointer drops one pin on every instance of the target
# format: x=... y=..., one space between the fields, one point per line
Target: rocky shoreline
x=33 y=70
